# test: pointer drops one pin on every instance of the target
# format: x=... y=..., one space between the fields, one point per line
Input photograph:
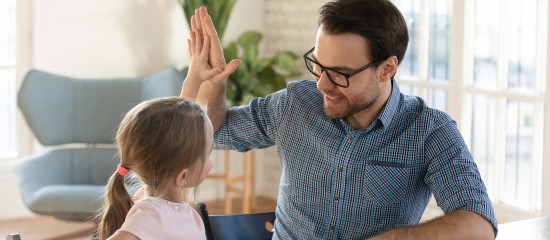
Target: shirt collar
x=390 y=109
x=385 y=117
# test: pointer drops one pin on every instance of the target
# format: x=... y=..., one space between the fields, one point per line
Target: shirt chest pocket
x=385 y=183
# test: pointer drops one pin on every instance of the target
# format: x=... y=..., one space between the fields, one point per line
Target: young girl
x=166 y=143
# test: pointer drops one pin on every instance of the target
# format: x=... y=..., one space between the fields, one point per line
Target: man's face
x=346 y=52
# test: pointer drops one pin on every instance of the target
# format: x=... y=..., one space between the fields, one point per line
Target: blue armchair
x=68 y=182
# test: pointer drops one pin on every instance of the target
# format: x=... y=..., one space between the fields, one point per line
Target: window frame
x=24 y=138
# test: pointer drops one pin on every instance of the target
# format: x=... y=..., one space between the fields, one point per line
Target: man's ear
x=388 y=68
x=181 y=178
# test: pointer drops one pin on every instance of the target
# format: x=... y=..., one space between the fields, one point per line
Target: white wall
x=98 y=38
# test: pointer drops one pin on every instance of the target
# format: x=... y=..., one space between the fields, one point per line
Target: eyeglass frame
x=346 y=75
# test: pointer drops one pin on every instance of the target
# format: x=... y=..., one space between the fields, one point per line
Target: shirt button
x=336 y=199
x=332 y=227
x=340 y=169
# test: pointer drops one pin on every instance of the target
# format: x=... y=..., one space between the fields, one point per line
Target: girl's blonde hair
x=156 y=140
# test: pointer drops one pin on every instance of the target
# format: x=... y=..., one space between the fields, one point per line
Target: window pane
x=7 y=113
x=486 y=43
x=7 y=32
x=482 y=143
x=410 y=10
x=522 y=44
x=438 y=99
x=518 y=165
x=440 y=29
x=409 y=90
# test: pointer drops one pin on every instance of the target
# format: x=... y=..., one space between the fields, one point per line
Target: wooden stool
x=243 y=186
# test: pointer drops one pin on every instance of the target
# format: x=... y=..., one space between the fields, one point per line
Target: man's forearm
x=217 y=105
x=210 y=96
x=456 y=225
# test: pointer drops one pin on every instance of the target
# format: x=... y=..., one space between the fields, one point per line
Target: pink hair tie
x=121 y=170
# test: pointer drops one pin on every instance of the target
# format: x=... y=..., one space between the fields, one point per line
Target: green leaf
x=263 y=63
x=224 y=16
x=287 y=62
x=249 y=41
x=189 y=7
x=268 y=77
x=231 y=51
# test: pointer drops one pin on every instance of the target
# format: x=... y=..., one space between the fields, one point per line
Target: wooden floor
x=45 y=228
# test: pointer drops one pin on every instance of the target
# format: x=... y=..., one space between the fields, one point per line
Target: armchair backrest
x=61 y=110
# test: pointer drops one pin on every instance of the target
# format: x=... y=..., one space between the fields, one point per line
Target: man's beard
x=350 y=108
x=353 y=106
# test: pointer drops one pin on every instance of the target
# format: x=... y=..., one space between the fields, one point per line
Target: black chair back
x=254 y=226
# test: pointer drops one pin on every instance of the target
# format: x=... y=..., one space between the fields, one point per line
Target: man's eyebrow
x=337 y=68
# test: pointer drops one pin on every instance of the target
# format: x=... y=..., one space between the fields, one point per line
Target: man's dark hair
x=379 y=21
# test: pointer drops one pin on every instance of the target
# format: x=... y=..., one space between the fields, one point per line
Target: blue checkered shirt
x=341 y=183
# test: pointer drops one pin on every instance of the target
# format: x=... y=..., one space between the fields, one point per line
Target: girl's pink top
x=157 y=218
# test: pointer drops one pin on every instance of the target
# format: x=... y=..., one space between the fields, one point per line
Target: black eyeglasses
x=338 y=78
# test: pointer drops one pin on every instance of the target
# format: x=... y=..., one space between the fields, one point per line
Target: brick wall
x=290 y=25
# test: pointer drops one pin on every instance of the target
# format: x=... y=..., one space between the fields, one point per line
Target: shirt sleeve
x=453 y=176
x=253 y=125
x=144 y=221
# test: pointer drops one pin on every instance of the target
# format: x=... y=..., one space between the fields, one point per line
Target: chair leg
x=228 y=182
x=246 y=190
x=246 y=182
x=253 y=180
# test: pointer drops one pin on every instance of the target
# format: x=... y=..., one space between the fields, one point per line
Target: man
x=359 y=159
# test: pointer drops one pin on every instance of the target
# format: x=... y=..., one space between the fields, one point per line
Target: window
x=507 y=78
x=425 y=68
x=8 y=146
x=492 y=81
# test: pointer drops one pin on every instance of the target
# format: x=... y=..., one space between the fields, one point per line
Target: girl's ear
x=181 y=178
x=388 y=68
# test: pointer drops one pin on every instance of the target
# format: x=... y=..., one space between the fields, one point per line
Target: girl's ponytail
x=117 y=204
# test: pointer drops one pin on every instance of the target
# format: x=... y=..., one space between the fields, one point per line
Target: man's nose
x=324 y=83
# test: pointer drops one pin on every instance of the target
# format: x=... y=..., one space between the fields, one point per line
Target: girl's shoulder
x=165 y=205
